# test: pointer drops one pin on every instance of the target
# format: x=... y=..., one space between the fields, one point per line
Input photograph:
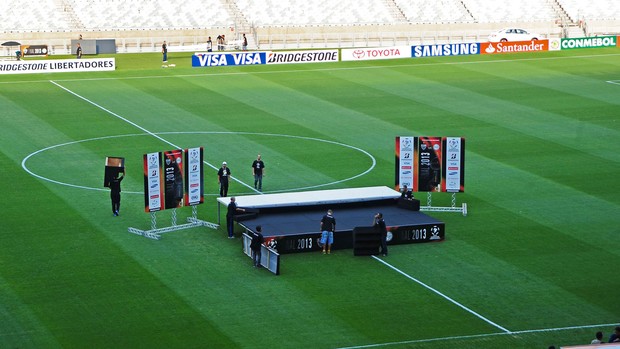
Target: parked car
x=513 y=34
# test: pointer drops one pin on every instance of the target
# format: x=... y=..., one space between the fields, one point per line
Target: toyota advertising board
x=375 y=53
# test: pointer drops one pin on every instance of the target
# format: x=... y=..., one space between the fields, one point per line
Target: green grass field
x=534 y=263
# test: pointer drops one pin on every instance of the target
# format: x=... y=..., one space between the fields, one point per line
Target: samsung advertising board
x=445 y=50
x=225 y=59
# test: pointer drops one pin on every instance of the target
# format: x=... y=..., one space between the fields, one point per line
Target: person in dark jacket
x=379 y=225
x=115 y=193
x=255 y=245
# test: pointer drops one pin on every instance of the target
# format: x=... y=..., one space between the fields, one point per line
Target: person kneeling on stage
x=406 y=194
x=230 y=217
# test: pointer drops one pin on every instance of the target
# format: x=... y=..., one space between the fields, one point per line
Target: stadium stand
x=510 y=11
x=593 y=9
x=147 y=14
x=312 y=12
x=429 y=11
x=141 y=25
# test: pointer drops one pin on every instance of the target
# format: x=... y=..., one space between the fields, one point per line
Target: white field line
x=483 y=335
x=374 y=161
x=442 y=295
x=452 y=338
x=142 y=129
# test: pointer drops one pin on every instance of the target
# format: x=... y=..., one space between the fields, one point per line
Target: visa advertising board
x=226 y=59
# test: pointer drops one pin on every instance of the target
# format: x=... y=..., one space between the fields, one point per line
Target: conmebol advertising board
x=595 y=42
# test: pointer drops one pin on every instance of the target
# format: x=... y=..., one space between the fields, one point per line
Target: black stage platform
x=295 y=227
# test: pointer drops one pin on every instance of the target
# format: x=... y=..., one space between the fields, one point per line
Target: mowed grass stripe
x=207 y=272
x=71 y=271
x=21 y=327
x=503 y=276
x=235 y=146
x=301 y=107
x=502 y=111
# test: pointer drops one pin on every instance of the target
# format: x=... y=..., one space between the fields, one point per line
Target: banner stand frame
x=155 y=233
x=453 y=208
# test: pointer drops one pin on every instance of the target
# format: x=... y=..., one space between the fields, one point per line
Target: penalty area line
x=442 y=295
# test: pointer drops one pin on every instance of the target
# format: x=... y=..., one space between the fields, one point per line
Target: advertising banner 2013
x=153 y=190
x=173 y=178
x=430 y=164
x=427 y=159
x=194 y=183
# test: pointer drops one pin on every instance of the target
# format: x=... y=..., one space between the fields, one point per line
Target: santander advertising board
x=514 y=46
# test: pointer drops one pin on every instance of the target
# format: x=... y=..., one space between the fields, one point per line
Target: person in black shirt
x=258 y=170
x=255 y=245
x=406 y=193
x=78 y=51
x=379 y=225
x=209 y=45
x=222 y=177
x=328 y=226
x=164 y=51
x=230 y=217
x=115 y=193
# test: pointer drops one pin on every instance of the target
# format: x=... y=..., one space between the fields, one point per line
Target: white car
x=513 y=34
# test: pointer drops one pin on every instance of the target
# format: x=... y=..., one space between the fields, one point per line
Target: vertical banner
x=428 y=162
x=453 y=167
x=173 y=178
x=153 y=190
x=194 y=184
x=404 y=162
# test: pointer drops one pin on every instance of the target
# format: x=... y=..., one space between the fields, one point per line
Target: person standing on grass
x=209 y=45
x=255 y=245
x=78 y=51
x=328 y=226
x=245 y=43
x=164 y=51
x=222 y=177
x=379 y=225
x=258 y=170
x=115 y=193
